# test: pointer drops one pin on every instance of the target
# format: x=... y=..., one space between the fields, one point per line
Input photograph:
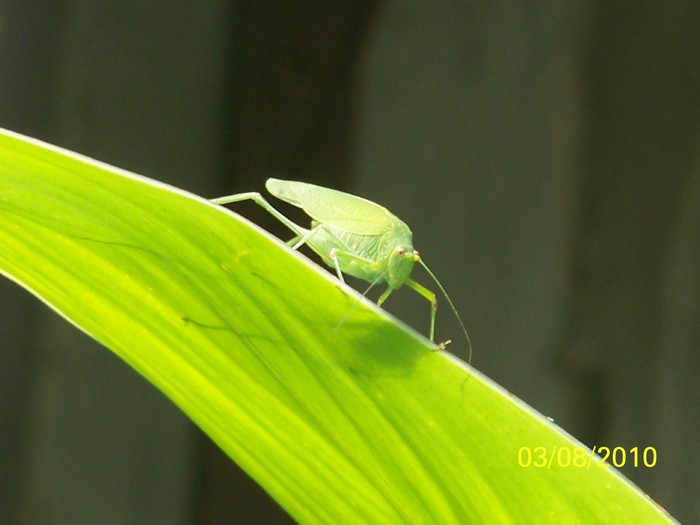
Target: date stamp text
x=581 y=457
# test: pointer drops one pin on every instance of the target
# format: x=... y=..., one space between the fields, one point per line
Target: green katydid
x=354 y=236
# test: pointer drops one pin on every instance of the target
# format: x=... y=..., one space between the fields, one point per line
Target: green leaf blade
x=342 y=414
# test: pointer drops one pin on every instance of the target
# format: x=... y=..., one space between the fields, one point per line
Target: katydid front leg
x=430 y=296
x=336 y=255
x=423 y=291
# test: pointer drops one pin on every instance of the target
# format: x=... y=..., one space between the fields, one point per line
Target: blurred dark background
x=545 y=154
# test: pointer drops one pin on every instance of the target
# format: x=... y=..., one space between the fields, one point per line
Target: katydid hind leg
x=299 y=232
x=300 y=240
x=294 y=242
x=302 y=235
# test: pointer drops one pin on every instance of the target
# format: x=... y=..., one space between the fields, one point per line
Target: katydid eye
x=400 y=251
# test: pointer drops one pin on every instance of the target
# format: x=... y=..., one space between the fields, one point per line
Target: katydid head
x=400 y=265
